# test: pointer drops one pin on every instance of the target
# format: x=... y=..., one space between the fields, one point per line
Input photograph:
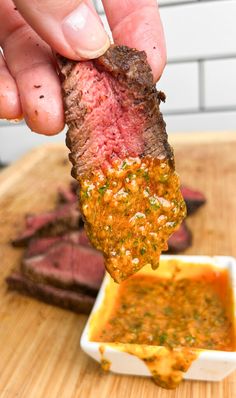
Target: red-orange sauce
x=181 y=314
x=105 y=363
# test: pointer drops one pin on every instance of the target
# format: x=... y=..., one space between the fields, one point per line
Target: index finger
x=138 y=27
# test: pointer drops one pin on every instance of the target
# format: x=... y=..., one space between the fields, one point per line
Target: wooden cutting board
x=40 y=355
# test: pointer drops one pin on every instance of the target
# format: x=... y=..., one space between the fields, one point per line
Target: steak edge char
x=129 y=192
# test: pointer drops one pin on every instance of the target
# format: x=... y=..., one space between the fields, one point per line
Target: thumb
x=71 y=27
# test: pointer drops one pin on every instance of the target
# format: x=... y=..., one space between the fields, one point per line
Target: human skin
x=30 y=31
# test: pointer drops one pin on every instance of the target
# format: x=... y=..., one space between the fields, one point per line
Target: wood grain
x=40 y=355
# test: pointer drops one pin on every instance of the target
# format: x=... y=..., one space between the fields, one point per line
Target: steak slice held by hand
x=129 y=191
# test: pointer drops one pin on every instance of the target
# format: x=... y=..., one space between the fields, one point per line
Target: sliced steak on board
x=68 y=194
x=38 y=246
x=56 y=222
x=66 y=265
x=180 y=240
x=129 y=192
x=64 y=298
x=193 y=199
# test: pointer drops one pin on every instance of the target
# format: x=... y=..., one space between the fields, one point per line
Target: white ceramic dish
x=210 y=365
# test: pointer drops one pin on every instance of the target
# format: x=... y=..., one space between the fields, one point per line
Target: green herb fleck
x=148 y=314
x=163 y=338
x=130 y=175
x=154 y=247
x=196 y=315
x=164 y=178
x=146 y=176
x=136 y=327
x=171 y=224
x=103 y=189
x=139 y=215
x=155 y=205
x=189 y=339
x=85 y=193
x=168 y=311
x=143 y=251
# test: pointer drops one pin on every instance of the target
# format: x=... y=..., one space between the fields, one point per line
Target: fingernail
x=84 y=32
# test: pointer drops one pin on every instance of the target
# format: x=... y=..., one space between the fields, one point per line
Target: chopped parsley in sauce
x=172 y=313
x=131 y=209
x=181 y=314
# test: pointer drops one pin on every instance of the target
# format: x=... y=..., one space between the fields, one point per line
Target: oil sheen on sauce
x=131 y=208
x=177 y=317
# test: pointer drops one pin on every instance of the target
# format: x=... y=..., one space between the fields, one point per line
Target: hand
x=29 y=84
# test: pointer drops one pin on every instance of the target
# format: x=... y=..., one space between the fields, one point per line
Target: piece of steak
x=180 y=240
x=66 y=265
x=68 y=195
x=67 y=299
x=193 y=199
x=52 y=223
x=129 y=192
x=38 y=246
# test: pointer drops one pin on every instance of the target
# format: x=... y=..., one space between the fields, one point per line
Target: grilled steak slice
x=193 y=199
x=70 y=300
x=52 y=223
x=67 y=265
x=180 y=240
x=40 y=245
x=68 y=195
x=129 y=192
